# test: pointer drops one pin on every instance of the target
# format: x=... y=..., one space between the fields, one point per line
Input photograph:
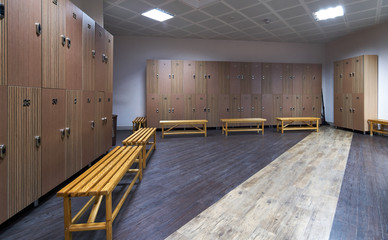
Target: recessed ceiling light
x=157 y=15
x=329 y=13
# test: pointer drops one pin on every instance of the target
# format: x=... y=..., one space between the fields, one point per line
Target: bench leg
x=144 y=156
x=109 y=216
x=204 y=128
x=226 y=129
x=262 y=128
x=317 y=125
x=154 y=140
x=371 y=128
x=162 y=131
x=67 y=216
x=281 y=122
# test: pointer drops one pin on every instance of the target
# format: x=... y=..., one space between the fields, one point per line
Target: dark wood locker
x=297 y=78
x=88 y=127
x=246 y=78
x=73 y=132
x=288 y=78
x=224 y=106
x=307 y=79
x=358 y=75
x=101 y=68
x=3 y=63
x=53 y=138
x=164 y=76
x=277 y=78
x=277 y=106
x=176 y=77
x=107 y=121
x=152 y=80
x=109 y=61
x=256 y=78
x=235 y=105
x=338 y=110
x=189 y=77
x=307 y=106
x=177 y=106
x=338 y=77
x=297 y=106
x=267 y=108
x=200 y=81
x=235 y=78
x=73 y=58
x=212 y=78
x=246 y=106
x=317 y=105
x=359 y=123
x=3 y=154
x=24 y=150
x=266 y=82
x=99 y=125
x=256 y=106
x=224 y=77
x=24 y=44
x=200 y=106
x=153 y=113
x=347 y=117
x=189 y=106
x=287 y=105
x=212 y=110
x=316 y=79
x=88 y=52
x=165 y=107
x=348 y=80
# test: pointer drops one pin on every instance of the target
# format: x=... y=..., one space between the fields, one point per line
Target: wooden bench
x=176 y=123
x=142 y=138
x=99 y=181
x=139 y=122
x=257 y=121
x=373 y=122
x=285 y=123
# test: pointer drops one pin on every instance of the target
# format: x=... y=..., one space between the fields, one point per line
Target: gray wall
x=93 y=8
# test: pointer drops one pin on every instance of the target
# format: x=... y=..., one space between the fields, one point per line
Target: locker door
x=277 y=106
x=88 y=127
x=100 y=66
x=277 y=78
x=165 y=107
x=24 y=151
x=338 y=110
x=176 y=76
x=246 y=78
x=53 y=138
x=347 y=112
x=2 y=54
x=212 y=110
x=235 y=105
x=266 y=82
x=287 y=105
x=164 y=75
x=224 y=77
x=223 y=106
x=177 y=105
x=347 y=81
x=317 y=79
x=246 y=106
x=287 y=79
x=73 y=132
x=256 y=106
x=200 y=81
x=99 y=128
x=307 y=79
x=358 y=78
x=212 y=77
x=109 y=61
x=359 y=122
x=267 y=108
x=88 y=52
x=3 y=156
x=189 y=77
x=152 y=81
x=317 y=105
x=200 y=106
x=73 y=64
x=256 y=78
x=189 y=107
x=153 y=113
x=298 y=106
x=108 y=121
x=307 y=106
x=53 y=52
x=338 y=77
x=235 y=78
x=297 y=78
x=24 y=45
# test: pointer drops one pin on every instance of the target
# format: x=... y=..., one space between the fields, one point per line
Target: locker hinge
x=2 y=11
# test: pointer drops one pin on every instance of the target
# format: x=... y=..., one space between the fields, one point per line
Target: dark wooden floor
x=187 y=174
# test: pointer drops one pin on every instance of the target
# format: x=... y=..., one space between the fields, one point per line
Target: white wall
x=131 y=53
x=371 y=41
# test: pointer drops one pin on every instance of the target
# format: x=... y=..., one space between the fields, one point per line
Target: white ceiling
x=291 y=20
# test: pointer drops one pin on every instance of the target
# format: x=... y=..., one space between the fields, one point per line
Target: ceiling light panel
x=329 y=13
x=157 y=15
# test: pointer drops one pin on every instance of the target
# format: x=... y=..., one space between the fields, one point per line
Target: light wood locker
x=277 y=78
x=316 y=79
x=101 y=68
x=297 y=105
x=246 y=106
x=212 y=110
x=347 y=112
x=224 y=106
x=53 y=138
x=153 y=113
x=176 y=76
x=307 y=106
x=358 y=110
x=73 y=132
x=297 y=78
x=266 y=83
x=165 y=107
x=212 y=78
x=235 y=105
x=109 y=61
x=108 y=121
x=189 y=106
x=235 y=78
x=224 y=77
x=317 y=105
x=277 y=106
x=288 y=80
x=267 y=111
x=338 y=77
x=200 y=106
x=256 y=78
x=358 y=75
x=348 y=71
x=88 y=52
x=88 y=127
x=256 y=105
x=338 y=109
x=287 y=105
x=3 y=63
x=3 y=154
x=189 y=77
x=177 y=107
x=152 y=79
x=24 y=43
x=164 y=76
x=307 y=79
x=99 y=125
x=246 y=78
x=24 y=150
x=200 y=81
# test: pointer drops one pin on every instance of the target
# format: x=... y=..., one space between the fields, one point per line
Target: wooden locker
x=99 y=125
x=24 y=44
x=224 y=106
x=348 y=80
x=316 y=79
x=307 y=79
x=297 y=106
x=235 y=105
x=177 y=106
x=317 y=105
x=53 y=138
x=297 y=78
x=256 y=105
x=307 y=106
x=24 y=150
x=212 y=78
x=3 y=154
x=153 y=113
x=266 y=82
x=338 y=76
x=277 y=78
x=235 y=78
x=100 y=66
x=277 y=106
x=176 y=76
x=246 y=106
x=164 y=76
x=3 y=63
x=152 y=80
x=287 y=105
x=347 y=116
x=200 y=81
x=189 y=106
x=224 y=77
x=267 y=108
x=109 y=61
x=288 y=79
x=189 y=77
x=73 y=132
x=200 y=106
x=108 y=121
x=88 y=52
x=165 y=107
x=358 y=75
x=359 y=122
x=88 y=127
x=246 y=78
x=212 y=110
x=256 y=78
x=338 y=110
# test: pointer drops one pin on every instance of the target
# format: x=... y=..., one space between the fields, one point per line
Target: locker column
x=88 y=53
x=3 y=153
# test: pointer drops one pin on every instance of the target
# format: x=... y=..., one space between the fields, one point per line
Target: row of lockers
x=53 y=44
x=208 y=77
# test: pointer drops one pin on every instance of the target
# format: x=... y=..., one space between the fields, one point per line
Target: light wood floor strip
x=294 y=197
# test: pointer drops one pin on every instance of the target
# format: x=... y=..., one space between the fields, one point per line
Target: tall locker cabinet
x=88 y=52
x=3 y=154
x=3 y=37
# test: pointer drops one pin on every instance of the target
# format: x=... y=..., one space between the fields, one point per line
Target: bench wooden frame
x=142 y=138
x=286 y=121
x=226 y=121
x=373 y=122
x=138 y=123
x=99 y=181
x=175 y=123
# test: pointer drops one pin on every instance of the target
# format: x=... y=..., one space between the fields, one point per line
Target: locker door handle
x=340 y=109
x=173 y=76
x=37 y=141
x=157 y=110
x=169 y=110
x=92 y=124
x=103 y=57
x=227 y=109
x=242 y=109
x=172 y=110
x=253 y=77
x=341 y=75
x=314 y=109
x=38 y=28
x=169 y=76
x=350 y=110
x=293 y=109
x=193 y=109
x=106 y=58
x=253 y=109
x=353 y=110
x=205 y=76
x=193 y=76
x=204 y=109
x=68 y=42
x=3 y=151
x=208 y=110
x=350 y=74
x=68 y=132
x=63 y=40
x=303 y=108
x=208 y=76
x=93 y=53
x=62 y=133
x=290 y=108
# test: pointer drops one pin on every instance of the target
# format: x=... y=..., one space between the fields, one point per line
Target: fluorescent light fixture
x=329 y=13
x=157 y=15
